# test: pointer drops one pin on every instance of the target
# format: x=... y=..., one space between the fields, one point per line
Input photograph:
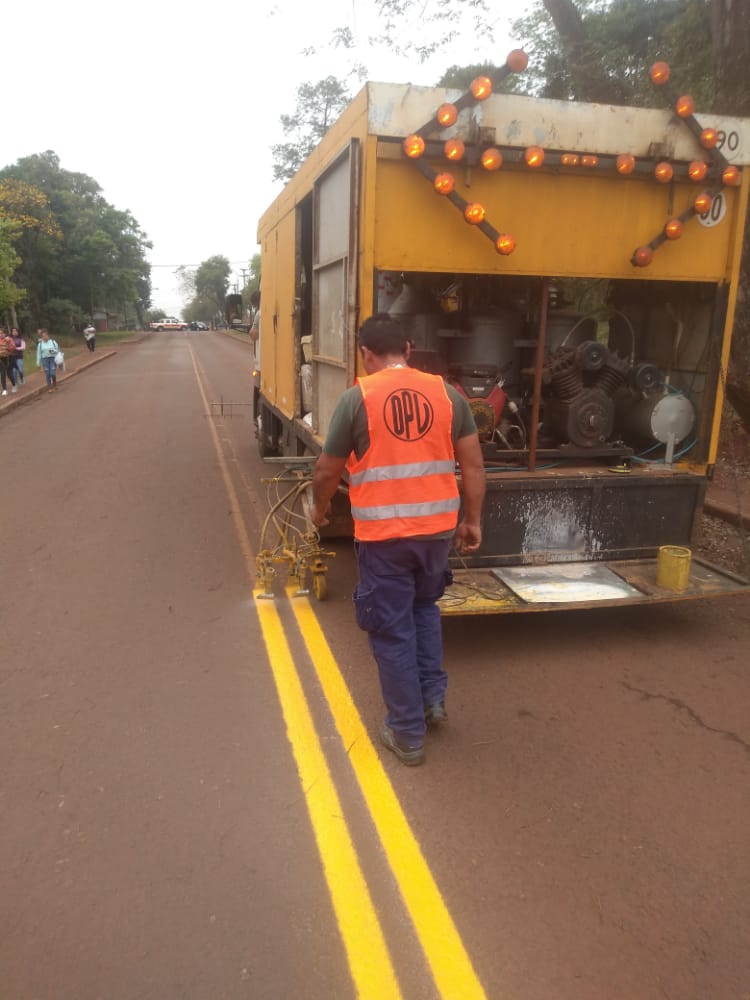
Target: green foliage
x=10 y=293
x=64 y=316
x=210 y=283
x=253 y=282
x=618 y=42
x=28 y=206
x=459 y=77
x=74 y=247
x=318 y=106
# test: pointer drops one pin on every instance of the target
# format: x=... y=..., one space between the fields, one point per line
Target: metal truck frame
x=573 y=269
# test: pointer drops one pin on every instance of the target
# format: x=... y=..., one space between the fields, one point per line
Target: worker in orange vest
x=399 y=432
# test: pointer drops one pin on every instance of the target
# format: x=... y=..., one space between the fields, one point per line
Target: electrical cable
x=662 y=461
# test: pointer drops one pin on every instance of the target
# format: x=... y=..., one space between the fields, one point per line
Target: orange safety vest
x=405 y=483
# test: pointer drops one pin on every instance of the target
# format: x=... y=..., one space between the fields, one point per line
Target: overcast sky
x=173 y=107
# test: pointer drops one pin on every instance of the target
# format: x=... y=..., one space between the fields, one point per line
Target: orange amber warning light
x=659 y=73
x=444 y=183
x=505 y=244
x=517 y=61
x=663 y=172
x=481 y=88
x=454 y=149
x=447 y=114
x=643 y=256
x=534 y=156
x=731 y=176
x=709 y=138
x=625 y=163
x=474 y=213
x=492 y=159
x=414 y=146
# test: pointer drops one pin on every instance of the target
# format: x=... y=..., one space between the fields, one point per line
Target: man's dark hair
x=382 y=334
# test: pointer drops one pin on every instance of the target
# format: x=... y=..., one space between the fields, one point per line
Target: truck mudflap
x=576 y=585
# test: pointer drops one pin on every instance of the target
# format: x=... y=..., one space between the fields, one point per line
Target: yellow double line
x=369 y=960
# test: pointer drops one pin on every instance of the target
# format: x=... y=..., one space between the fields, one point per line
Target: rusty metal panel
x=395 y=110
x=539 y=519
x=480 y=592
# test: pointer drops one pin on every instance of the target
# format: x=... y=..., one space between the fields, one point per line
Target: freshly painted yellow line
x=369 y=961
x=451 y=966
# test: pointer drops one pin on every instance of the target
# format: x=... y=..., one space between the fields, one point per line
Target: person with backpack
x=7 y=362
x=46 y=349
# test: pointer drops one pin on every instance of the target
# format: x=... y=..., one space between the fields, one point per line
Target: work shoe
x=5 y=392
x=435 y=714
x=409 y=755
x=14 y=388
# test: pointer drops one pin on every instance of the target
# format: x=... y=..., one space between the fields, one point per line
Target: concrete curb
x=728 y=514
x=241 y=338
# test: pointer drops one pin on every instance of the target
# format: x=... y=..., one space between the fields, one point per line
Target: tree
x=253 y=281
x=23 y=209
x=73 y=246
x=318 y=106
x=212 y=282
x=10 y=294
x=591 y=50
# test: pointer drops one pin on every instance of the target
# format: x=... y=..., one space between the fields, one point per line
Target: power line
x=232 y=262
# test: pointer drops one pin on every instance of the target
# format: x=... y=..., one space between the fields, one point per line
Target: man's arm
x=470 y=462
x=325 y=481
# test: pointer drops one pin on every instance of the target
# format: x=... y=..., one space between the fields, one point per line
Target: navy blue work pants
x=399 y=582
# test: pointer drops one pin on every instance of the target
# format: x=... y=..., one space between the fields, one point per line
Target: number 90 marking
x=729 y=139
x=716 y=212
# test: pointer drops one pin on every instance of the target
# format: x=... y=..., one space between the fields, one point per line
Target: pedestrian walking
x=89 y=335
x=399 y=433
x=255 y=328
x=20 y=345
x=7 y=363
x=46 y=349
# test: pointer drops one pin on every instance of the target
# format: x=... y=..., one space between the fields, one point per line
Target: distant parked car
x=168 y=323
x=198 y=325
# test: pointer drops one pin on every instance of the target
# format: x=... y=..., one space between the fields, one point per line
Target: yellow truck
x=572 y=269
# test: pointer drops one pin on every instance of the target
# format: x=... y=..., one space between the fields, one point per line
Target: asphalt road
x=193 y=800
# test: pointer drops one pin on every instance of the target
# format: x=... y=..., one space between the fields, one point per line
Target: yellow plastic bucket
x=673 y=567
